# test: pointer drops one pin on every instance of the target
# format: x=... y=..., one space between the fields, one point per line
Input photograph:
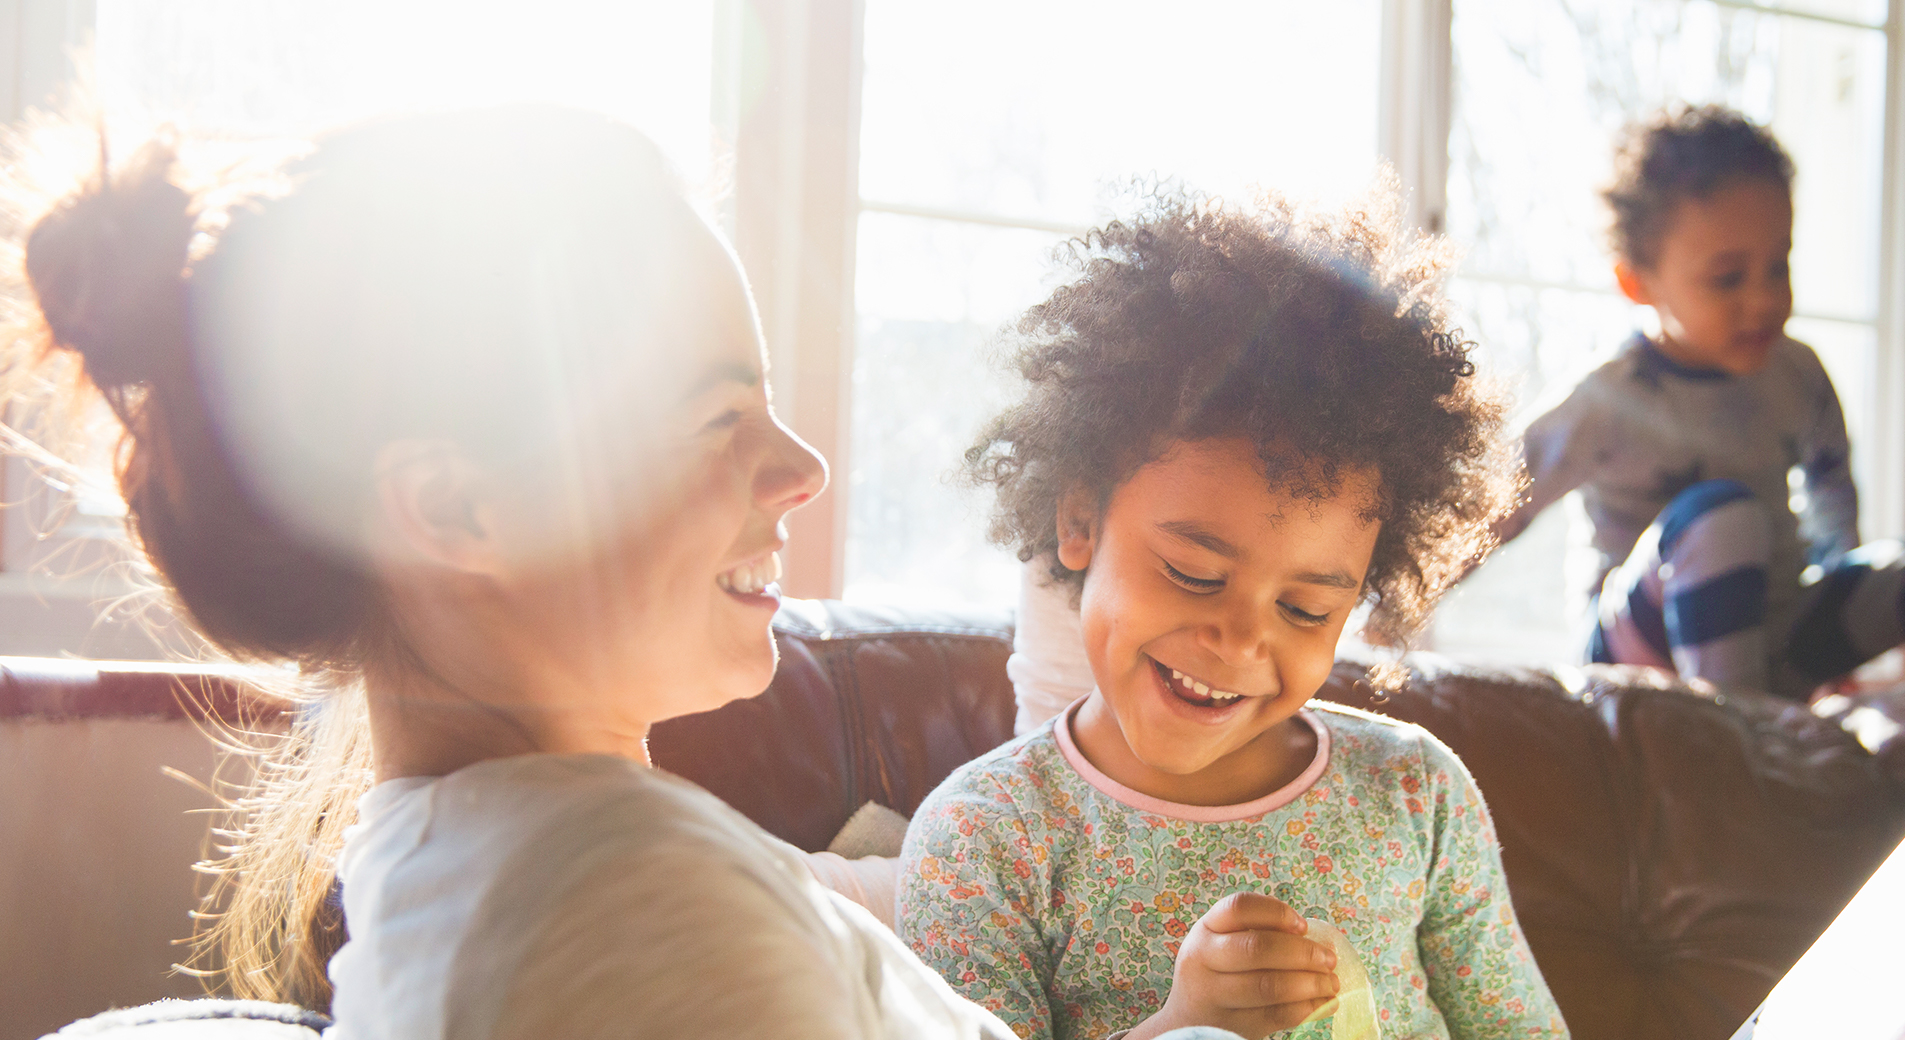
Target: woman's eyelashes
x=734 y=415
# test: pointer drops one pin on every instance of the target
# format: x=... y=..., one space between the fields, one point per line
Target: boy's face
x=1720 y=281
x=1202 y=583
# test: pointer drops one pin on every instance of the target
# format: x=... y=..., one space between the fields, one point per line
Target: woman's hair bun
x=107 y=264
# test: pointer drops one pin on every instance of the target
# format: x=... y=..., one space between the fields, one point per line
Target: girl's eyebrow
x=1193 y=533
x=1327 y=579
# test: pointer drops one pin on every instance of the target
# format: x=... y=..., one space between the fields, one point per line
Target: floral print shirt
x=1057 y=898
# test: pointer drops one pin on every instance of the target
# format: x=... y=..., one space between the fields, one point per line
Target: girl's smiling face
x=1211 y=609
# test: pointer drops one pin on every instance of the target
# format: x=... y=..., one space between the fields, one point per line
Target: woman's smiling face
x=1211 y=610
x=689 y=473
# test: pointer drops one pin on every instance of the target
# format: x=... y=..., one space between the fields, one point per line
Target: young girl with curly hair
x=1238 y=425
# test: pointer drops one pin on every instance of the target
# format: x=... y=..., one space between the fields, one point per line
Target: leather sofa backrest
x=867 y=706
x=1670 y=851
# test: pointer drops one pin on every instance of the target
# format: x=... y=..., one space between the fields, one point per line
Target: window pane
x=1541 y=87
x=932 y=295
x=267 y=67
x=1849 y=351
x=1517 y=606
x=1532 y=338
x=1524 y=603
x=1865 y=12
x=1043 y=113
x=275 y=66
x=1005 y=107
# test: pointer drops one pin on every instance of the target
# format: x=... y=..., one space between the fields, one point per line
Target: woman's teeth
x=752 y=577
x=1202 y=690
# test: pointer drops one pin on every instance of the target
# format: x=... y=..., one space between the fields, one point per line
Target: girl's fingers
x=1260 y=950
x=1239 y=911
x=1289 y=1016
x=1252 y=990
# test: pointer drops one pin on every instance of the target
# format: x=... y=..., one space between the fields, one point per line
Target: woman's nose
x=791 y=471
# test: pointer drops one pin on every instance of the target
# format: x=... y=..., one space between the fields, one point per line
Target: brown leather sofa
x=1671 y=851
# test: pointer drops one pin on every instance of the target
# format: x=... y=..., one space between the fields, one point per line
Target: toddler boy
x=1682 y=444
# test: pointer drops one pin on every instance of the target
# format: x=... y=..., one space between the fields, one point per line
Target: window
x=246 y=68
x=994 y=131
x=1540 y=89
x=902 y=173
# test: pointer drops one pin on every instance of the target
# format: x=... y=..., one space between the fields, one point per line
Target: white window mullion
x=1887 y=443
x=38 y=39
x=54 y=565
x=1416 y=103
x=796 y=190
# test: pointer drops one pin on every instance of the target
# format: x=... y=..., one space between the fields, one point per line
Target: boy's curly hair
x=1322 y=338
x=1680 y=153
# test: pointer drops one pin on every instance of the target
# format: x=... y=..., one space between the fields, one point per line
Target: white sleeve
x=1048 y=666
x=870 y=881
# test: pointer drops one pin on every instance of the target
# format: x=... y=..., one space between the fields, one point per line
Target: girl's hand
x=1246 y=967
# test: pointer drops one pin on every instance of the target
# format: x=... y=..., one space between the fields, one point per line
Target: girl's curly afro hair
x=1322 y=338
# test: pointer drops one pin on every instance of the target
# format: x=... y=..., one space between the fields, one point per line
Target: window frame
x=1415 y=118
x=50 y=614
x=795 y=207
x=1412 y=133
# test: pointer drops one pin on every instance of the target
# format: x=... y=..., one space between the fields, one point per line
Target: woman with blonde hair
x=467 y=417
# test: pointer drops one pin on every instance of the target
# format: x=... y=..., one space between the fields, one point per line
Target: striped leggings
x=1691 y=598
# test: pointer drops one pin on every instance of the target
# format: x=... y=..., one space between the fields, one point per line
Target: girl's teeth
x=1202 y=690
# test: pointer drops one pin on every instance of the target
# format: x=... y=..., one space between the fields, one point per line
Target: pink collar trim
x=1276 y=799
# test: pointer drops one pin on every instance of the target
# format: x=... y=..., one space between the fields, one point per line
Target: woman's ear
x=434 y=507
x=1077 y=523
x=1633 y=284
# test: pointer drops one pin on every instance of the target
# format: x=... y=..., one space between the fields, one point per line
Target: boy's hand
x=1246 y=967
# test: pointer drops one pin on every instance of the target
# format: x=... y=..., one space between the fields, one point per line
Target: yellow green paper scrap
x=1352 y=1014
